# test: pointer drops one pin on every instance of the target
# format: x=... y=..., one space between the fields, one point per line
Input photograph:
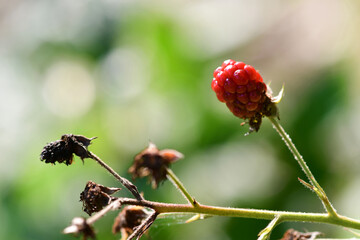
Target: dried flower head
x=153 y=162
x=80 y=226
x=128 y=219
x=96 y=196
x=62 y=150
x=292 y=234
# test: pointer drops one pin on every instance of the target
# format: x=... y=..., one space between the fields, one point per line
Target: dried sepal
x=128 y=219
x=292 y=234
x=170 y=155
x=63 y=150
x=79 y=226
x=278 y=98
x=153 y=163
x=95 y=197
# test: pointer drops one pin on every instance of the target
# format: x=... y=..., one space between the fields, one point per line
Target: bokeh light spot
x=69 y=89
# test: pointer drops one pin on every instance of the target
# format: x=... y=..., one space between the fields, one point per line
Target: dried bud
x=128 y=219
x=80 y=226
x=62 y=150
x=96 y=196
x=292 y=234
x=153 y=163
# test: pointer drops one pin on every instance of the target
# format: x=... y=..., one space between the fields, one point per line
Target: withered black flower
x=80 y=226
x=96 y=196
x=62 y=150
x=128 y=219
x=292 y=234
x=153 y=162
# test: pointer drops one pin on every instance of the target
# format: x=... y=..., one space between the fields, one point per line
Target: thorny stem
x=284 y=216
x=316 y=186
x=178 y=184
x=126 y=183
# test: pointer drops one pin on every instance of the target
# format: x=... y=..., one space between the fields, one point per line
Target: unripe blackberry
x=242 y=88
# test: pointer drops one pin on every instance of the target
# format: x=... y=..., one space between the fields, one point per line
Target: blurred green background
x=133 y=71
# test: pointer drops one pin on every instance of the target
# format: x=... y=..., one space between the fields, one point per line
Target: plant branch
x=316 y=186
x=159 y=208
x=111 y=207
x=139 y=230
x=126 y=183
x=178 y=184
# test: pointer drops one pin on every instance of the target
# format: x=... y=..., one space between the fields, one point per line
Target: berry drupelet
x=242 y=88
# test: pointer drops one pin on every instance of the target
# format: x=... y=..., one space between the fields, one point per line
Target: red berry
x=220 y=97
x=229 y=97
x=230 y=105
x=239 y=112
x=239 y=65
x=221 y=77
x=213 y=84
x=230 y=69
x=230 y=86
x=242 y=88
x=251 y=86
x=227 y=62
x=259 y=77
x=217 y=71
x=251 y=106
x=261 y=87
x=250 y=71
x=242 y=97
x=216 y=87
x=240 y=77
x=254 y=96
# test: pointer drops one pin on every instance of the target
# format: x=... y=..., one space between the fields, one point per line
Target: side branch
x=315 y=185
x=178 y=184
x=126 y=183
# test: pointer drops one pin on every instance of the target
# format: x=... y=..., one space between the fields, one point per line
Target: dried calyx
x=292 y=234
x=153 y=163
x=128 y=219
x=95 y=197
x=63 y=150
x=79 y=226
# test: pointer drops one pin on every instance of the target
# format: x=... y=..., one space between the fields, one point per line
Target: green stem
x=264 y=214
x=316 y=186
x=277 y=217
x=178 y=184
x=241 y=212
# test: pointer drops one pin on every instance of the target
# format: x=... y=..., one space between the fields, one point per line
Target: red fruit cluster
x=242 y=88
